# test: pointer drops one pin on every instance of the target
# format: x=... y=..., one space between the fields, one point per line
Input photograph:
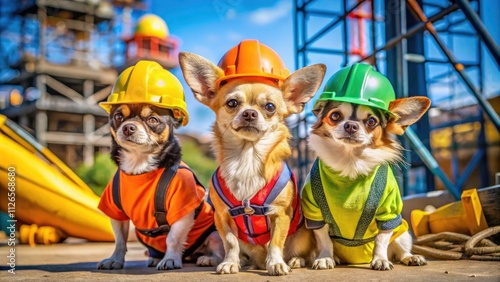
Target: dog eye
x=118 y=117
x=270 y=107
x=372 y=122
x=153 y=120
x=232 y=103
x=335 y=116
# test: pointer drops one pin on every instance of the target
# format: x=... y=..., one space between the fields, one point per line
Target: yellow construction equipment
x=43 y=191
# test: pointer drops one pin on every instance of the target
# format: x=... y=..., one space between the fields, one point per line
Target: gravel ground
x=76 y=261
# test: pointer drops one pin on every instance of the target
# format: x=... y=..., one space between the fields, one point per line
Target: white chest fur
x=136 y=161
x=242 y=166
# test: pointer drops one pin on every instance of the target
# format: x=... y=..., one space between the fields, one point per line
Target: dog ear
x=318 y=108
x=301 y=86
x=200 y=74
x=407 y=111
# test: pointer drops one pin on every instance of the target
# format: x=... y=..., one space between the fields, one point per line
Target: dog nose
x=129 y=129
x=351 y=127
x=250 y=115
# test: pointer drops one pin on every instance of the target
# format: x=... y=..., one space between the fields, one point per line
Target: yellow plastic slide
x=46 y=192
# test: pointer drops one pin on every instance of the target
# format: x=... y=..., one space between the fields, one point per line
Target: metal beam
x=392 y=42
x=327 y=28
x=485 y=105
x=67 y=138
x=478 y=25
x=63 y=89
x=431 y=162
x=99 y=95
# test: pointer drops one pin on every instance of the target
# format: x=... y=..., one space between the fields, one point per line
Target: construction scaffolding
x=64 y=59
x=414 y=43
x=63 y=73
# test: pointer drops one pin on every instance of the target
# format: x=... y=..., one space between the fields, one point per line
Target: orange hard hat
x=252 y=59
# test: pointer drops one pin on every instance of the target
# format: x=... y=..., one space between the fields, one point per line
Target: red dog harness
x=250 y=215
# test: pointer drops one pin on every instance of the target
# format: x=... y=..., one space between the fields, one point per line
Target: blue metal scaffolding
x=408 y=41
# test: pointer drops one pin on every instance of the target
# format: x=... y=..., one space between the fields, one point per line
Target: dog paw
x=169 y=263
x=323 y=263
x=207 y=261
x=414 y=260
x=227 y=268
x=110 y=263
x=153 y=262
x=278 y=269
x=382 y=264
x=336 y=259
x=296 y=262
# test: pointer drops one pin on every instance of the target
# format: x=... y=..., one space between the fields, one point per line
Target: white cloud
x=234 y=36
x=265 y=16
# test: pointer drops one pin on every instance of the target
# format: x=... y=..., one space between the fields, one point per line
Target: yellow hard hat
x=147 y=82
x=151 y=25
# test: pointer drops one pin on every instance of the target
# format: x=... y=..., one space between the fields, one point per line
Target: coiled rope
x=456 y=246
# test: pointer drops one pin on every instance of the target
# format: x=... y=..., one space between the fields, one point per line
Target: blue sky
x=211 y=27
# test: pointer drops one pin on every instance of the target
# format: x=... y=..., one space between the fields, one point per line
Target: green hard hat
x=359 y=84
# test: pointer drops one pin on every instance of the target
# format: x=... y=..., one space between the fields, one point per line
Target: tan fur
x=125 y=110
x=407 y=111
x=257 y=153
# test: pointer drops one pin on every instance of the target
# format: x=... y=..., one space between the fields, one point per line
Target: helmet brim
x=357 y=101
x=184 y=115
x=249 y=75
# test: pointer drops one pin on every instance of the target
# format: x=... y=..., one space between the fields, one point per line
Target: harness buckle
x=248 y=209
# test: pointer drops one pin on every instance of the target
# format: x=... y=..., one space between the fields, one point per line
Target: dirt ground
x=76 y=261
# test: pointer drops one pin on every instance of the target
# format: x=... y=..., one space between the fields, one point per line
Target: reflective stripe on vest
x=376 y=191
x=250 y=215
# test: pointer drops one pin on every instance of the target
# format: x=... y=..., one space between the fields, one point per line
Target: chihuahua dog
x=145 y=149
x=251 y=144
x=351 y=198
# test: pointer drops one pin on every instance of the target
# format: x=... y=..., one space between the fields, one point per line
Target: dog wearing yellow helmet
x=351 y=194
x=153 y=187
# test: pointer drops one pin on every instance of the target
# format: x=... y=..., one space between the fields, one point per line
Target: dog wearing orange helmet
x=256 y=200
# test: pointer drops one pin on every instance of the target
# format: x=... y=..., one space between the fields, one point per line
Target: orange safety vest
x=153 y=211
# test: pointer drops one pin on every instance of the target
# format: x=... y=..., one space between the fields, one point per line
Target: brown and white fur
x=362 y=139
x=251 y=143
x=143 y=141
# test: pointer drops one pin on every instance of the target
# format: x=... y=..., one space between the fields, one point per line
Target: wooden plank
x=490 y=201
x=104 y=76
x=63 y=89
x=75 y=139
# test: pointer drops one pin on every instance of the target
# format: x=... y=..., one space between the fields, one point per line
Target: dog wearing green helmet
x=351 y=198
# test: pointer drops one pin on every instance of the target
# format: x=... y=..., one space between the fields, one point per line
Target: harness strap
x=115 y=190
x=198 y=209
x=218 y=189
x=155 y=232
x=161 y=191
x=257 y=210
x=278 y=186
x=376 y=191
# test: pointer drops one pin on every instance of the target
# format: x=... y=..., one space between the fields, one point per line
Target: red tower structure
x=151 y=41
